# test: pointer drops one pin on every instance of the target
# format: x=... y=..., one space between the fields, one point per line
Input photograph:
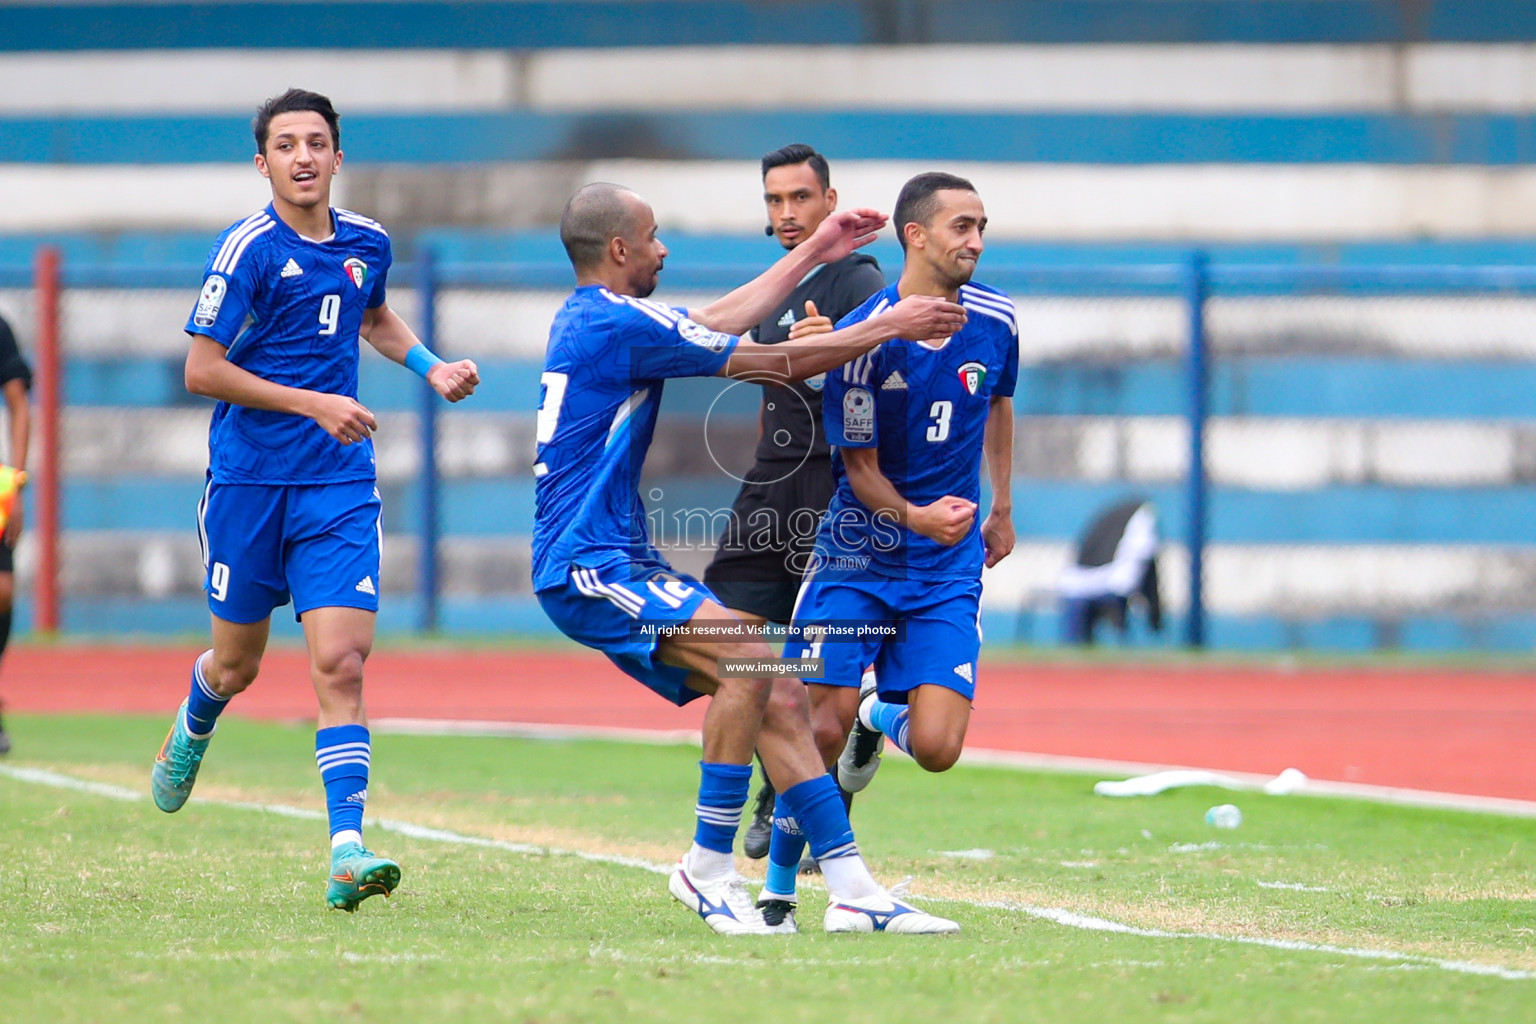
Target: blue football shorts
x=622 y=611
x=940 y=623
x=318 y=544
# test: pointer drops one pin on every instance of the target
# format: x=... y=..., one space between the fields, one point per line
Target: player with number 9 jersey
x=288 y=309
x=290 y=510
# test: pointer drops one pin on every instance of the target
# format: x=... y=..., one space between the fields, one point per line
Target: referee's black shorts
x=758 y=565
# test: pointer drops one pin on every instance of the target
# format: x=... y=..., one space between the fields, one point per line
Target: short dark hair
x=799 y=153
x=293 y=101
x=917 y=203
x=596 y=215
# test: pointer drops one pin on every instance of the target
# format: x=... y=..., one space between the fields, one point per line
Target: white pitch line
x=978 y=756
x=1099 y=924
x=58 y=780
x=1057 y=915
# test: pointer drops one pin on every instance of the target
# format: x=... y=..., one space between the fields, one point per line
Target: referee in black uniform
x=15 y=382
x=757 y=569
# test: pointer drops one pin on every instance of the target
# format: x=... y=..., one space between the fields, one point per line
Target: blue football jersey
x=925 y=410
x=607 y=358
x=289 y=309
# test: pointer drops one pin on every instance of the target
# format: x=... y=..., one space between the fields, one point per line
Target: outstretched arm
x=393 y=338
x=997 y=447
x=836 y=237
x=917 y=317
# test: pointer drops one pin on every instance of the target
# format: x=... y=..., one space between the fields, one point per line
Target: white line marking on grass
x=1250 y=781
x=968 y=854
x=389 y=958
x=43 y=777
x=976 y=756
x=1297 y=886
x=1098 y=924
x=1057 y=915
x=413 y=831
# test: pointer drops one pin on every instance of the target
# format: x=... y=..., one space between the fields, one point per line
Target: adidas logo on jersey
x=895 y=382
x=964 y=672
x=291 y=269
x=365 y=586
x=788 y=319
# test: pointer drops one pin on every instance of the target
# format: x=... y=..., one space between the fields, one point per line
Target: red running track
x=1448 y=731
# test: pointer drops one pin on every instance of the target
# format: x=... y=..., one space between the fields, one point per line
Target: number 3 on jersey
x=549 y=411
x=938 y=430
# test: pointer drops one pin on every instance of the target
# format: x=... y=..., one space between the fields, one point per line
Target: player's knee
x=787 y=706
x=230 y=674
x=754 y=688
x=936 y=753
x=830 y=732
x=340 y=670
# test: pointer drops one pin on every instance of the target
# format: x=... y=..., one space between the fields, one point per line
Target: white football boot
x=883 y=912
x=724 y=904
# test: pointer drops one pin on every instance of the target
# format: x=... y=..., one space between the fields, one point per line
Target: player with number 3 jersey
x=291 y=511
x=901 y=545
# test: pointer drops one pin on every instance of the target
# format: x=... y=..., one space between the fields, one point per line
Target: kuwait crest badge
x=357 y=270
x=973 y=375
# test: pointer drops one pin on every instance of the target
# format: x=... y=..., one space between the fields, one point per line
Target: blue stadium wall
x=56 y=149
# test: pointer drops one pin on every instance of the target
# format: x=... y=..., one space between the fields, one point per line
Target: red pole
x=46 y=618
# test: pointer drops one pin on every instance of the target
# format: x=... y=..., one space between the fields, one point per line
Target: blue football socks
x=784 y=850
x=817 y=807
x=203 y=705
x=890 y=719
x=343 y=753
x=722 y=794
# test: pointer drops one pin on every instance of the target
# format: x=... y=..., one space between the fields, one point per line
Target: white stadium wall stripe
x=1261 y=453
x=1210 y=77
x=479 y=323
x=1210 y=202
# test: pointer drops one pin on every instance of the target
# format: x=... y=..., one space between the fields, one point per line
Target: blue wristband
x=420 y=359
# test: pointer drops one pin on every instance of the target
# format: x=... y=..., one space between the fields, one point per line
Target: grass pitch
x=1075 y=908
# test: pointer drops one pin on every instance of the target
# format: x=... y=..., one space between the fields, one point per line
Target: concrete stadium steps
x=155 y=564
x=1304 y=387
x=1196 y=201
x=1303 y=580
x=686 y=511
x=1323 y=332
x=1422 y=78
x=712 y=262
x=1051 y=137
x=1268 y=453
